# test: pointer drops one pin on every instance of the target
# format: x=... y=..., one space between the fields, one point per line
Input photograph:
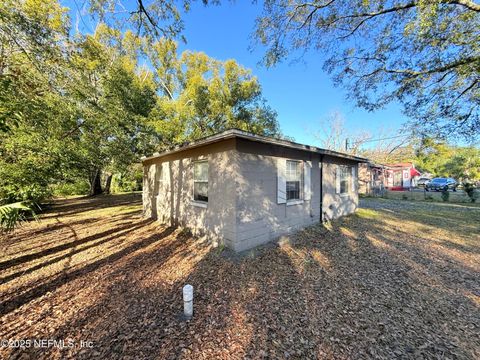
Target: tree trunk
x=95 y=184
x=108 y=182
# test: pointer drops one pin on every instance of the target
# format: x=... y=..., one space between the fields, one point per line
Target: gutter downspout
x=321 y=188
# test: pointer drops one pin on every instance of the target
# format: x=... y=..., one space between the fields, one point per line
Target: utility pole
x=346 y=144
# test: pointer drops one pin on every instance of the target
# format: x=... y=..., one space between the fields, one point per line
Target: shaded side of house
x=244 y=190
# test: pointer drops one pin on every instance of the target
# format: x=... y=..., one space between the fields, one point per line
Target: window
x=200 y=181
x=293 y=174
x=160 y=178
x=345 y=179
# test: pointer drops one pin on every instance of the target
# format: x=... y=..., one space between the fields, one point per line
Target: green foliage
x=13 y=214
x=75 y=107
x=79 y=187
x=471 y=191
x=159 y=18
x=34 y=193
x=423 y=54
x=445 y=195
x=203 y=96
x=441 y=159
x=129 y=180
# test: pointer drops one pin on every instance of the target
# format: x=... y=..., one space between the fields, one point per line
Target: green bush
x=33 y=193
x=471 y=191
x=80 y=187
x=445 y=195
x=128 y=181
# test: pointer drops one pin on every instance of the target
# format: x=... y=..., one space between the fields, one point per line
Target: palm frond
x=13 y=214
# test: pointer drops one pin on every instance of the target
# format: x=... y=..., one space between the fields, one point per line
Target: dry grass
x=398 y=279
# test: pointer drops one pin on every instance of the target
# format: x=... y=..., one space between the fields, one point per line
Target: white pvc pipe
x=188 y=301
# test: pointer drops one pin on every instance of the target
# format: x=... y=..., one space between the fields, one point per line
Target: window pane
x=200 y=191
x=293 y=170
x=345 y=175
x=201 y=171
x=293 y=190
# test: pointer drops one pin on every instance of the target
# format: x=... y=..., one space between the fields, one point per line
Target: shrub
x=128 y=181
x=80 y=187
x=33 y=193
x=445 y=195
x=471 y=191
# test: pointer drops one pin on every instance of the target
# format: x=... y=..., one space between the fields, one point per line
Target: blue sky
x=300 y=92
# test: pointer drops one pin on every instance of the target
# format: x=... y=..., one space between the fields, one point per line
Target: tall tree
x=202 y=96
x=81 y=106
x=33 y=110
x=153 y=18
x=424 y=54
x=114 y=98
x=334 y=135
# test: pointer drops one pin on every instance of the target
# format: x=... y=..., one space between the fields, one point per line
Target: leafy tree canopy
x=202 y=96
x=423 y=53
x=76 y=106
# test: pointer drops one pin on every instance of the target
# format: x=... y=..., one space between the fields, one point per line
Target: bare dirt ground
x=398 y=279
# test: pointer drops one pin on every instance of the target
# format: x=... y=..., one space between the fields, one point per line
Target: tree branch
x=470 y=5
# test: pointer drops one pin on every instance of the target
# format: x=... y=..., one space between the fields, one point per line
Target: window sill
x=199 y=204
x=294 y=202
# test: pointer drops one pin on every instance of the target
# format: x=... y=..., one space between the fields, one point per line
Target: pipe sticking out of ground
x=188 y=301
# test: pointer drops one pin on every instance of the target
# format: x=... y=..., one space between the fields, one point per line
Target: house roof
x=236 y=133
x=401 y=164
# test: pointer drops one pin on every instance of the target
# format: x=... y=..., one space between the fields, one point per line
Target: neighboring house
x=374 y=178
x=371 y=179
x=401 y=176
x=245 y=190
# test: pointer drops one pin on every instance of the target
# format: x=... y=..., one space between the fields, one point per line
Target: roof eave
x=235 y=133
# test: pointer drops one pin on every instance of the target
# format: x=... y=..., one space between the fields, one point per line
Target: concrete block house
x=245 y=190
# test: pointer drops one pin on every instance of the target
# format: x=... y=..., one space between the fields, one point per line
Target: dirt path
x=395 y=280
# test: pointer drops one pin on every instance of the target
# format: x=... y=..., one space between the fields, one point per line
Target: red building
x=375 y=178
x=401 y=176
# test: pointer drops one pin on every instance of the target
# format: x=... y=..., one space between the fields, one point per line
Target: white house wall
x=337 y=205
x=243 y=207
x=172 y=202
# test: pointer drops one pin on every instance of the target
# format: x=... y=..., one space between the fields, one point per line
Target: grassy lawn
x=455 y=196
x=398 y=279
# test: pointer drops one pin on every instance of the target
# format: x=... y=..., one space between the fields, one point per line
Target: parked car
x=423 y=181
x=440 y=184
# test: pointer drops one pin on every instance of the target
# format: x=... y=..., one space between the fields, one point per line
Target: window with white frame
x=160 y=177
x=200 y=181
x=294 y=179
x=345 y=179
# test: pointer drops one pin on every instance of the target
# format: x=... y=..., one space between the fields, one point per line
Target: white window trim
x=302 y=183
x=194 y=202
x=201 y=204
x=350 y=185
x=295 y=202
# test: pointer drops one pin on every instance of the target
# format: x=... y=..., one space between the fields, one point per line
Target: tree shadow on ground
x=354 y=289
x=76 y=206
